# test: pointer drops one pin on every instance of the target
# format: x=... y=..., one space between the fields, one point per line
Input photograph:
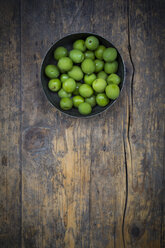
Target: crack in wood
x=129 y=111
x=126 y=169
x=130 y=54
x=126 y=195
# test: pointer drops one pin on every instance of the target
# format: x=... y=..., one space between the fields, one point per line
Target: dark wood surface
x=95 y=182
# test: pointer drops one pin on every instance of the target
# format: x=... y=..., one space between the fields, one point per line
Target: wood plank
x=10 y=160
x=60 y=190
x=144 y=223
x=74 y=171
x=108 y=180
x=56 y=155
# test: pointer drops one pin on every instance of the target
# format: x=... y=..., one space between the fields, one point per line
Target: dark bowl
x=67 y=42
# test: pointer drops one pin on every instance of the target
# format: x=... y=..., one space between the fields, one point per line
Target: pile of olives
x=85 y=76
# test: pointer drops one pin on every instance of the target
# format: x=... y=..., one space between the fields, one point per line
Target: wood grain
x=56 y=175
x=145 y=215
x=108 y=180
x=95 y=182
x=10 y=200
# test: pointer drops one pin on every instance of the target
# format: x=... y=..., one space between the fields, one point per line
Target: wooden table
x=95 y=182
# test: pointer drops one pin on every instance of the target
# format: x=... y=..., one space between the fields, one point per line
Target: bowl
x=67 y=42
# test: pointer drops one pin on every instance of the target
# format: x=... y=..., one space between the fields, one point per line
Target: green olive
x=80 y=45
x=77 y=100
x=111 y=67
x=99 y=52
x=52 y=71
x=113 y=79
x=85 y=90
x=102 y=100
x=88 y=66
x=65 y=64
x=66 y=103
x=112 y=91
x=60 y=52
x=76 y=73
x=92 y=42
x=62 y=93
x=102 y=75
x=85 y=108
x=64 y=77
x=54 y=84
x=88 y=79
x=76 y=56
x=89 y=55
x=69 y=85
x=76 y=91
x=99 y=65
x=99 y=85
x=91 y=100
x=110 y=54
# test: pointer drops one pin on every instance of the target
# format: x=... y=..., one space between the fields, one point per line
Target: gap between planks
x=129 y=119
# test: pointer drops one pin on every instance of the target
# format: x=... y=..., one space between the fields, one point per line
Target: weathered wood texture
x=97 y=182
x=10 y=114
x=144 y=222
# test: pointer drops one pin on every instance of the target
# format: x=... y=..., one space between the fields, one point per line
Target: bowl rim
x=114 y=101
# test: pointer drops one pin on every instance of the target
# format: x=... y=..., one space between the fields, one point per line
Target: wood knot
x=36 y=139
x=135 y=231
x=133 y=137
x=4 y=161
x=104 y=148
